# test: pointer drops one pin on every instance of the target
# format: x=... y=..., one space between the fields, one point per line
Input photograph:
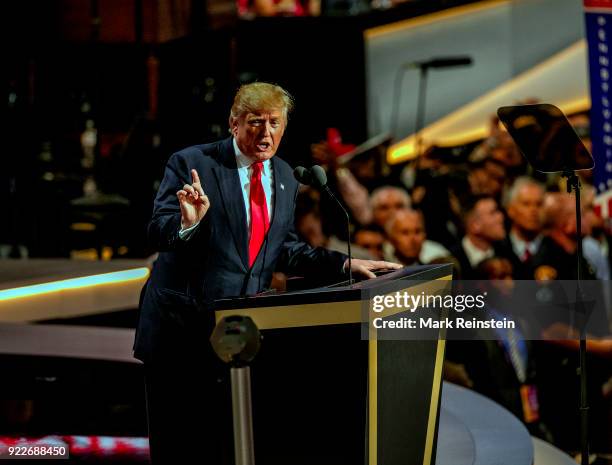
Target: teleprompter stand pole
x=236 y=341
x=573 y=183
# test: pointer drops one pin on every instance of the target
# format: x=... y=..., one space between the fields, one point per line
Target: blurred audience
x=487 y=177
x=352 y=171
x=372 y=240
x=484 y=231
x=499 y=146
x=309 y=226
x=250 y=9
x=405 y=230
x=556 y=258
x=594 y=251
x=455 y=198
x=385 y=202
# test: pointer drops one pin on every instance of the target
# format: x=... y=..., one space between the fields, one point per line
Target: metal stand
x=244 y=451
x=236 y=341
x=420 y=112
x=573 y=183
x=556 y=148
x=348 y=232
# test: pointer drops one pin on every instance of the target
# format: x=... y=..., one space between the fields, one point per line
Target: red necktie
x=527 y=256
x=259 y=213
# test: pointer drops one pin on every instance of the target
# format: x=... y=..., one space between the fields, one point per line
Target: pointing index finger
x=195 y=177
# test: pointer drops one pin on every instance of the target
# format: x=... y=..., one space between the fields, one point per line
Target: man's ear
x=233 y=124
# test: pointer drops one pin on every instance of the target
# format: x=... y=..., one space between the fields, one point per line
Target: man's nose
x=267 y=128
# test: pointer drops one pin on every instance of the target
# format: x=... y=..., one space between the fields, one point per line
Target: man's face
x=497 y=175
x=259 y=134
x=489 y=220
x=525 y=211
x=408 y=235
x=372 y=241
x=488 y=179
x=506 y=151
x=388 y=203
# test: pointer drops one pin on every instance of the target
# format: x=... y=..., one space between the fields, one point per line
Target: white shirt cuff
x=185 y=234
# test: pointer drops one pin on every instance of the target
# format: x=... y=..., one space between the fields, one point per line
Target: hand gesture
x=193 y=201
x=322 y=154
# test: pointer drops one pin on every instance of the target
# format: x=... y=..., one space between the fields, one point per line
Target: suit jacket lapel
x=231 y=195
x=282 y=200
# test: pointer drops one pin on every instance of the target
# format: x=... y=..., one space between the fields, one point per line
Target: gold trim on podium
x=373 y=400
x=296 y=316
x=435 y=401
x=319 y=314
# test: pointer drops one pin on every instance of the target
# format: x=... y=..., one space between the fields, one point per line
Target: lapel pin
x=282 y=186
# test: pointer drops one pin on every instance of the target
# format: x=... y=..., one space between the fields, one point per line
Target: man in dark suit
x=222 y=222
x=524 y=204
x=484 y=231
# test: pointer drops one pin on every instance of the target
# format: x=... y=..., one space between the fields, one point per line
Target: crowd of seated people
x=492 y=217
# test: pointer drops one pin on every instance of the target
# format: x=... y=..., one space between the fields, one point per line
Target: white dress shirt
x=474 y=254
x=520 y=246
x=245 y=171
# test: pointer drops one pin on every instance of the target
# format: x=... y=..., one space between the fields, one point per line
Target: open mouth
x=263 y=146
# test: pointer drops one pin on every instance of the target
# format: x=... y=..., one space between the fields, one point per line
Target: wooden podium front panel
x=309 y=388
x=408 y=382
x=313 y=402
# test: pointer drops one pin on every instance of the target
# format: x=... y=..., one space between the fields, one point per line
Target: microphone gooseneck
x=317 y=178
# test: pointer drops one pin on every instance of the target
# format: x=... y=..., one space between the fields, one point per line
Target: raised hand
x=193 y=201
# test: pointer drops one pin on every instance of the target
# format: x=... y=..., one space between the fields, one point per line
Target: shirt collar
x=242 y=161
x=519 y=245
x=473 y=253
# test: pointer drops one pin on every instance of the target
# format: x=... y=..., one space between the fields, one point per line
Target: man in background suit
x=223 y=221
x=524 y=204
x=484 y=231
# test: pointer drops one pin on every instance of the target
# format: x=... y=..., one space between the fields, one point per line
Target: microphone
x=440 y=62
x=303 y=175
x=317 y=178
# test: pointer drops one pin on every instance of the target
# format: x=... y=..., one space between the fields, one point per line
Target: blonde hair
x=259 y=96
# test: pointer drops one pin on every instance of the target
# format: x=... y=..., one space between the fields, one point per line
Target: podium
x=327 y=390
